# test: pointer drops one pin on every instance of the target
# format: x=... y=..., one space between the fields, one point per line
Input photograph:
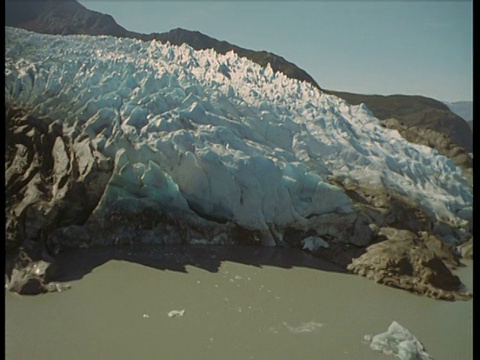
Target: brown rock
x=466 y=249
x=410 y=262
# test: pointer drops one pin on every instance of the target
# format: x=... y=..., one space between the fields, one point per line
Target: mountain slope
x=416 y=111
x=64 y=17
x=436 y=140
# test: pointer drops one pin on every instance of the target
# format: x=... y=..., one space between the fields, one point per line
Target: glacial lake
x=248 y=303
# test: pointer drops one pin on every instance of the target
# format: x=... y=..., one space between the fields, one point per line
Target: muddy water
x=262 y=308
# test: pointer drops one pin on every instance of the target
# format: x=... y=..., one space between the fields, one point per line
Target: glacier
x=215 y=143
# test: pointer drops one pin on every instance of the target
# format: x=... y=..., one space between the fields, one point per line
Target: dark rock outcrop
x=30 y=277
x=387 y=209
x=49 y=182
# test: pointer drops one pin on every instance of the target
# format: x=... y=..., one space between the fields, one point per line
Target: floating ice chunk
x=313 y=243
x=145 y=316
x=303 y=327
x=400 y=342
x=174 y=313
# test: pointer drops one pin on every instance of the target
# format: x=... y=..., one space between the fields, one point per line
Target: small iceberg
x=399 y=342
x=313 y=243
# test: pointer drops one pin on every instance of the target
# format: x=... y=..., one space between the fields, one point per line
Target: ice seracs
x=207 y=137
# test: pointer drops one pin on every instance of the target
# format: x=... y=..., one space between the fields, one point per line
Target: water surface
x=273 y=306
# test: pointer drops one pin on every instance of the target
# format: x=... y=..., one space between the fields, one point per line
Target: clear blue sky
x=370 y=47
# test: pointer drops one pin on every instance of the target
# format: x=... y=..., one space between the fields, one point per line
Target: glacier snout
x=122 y=141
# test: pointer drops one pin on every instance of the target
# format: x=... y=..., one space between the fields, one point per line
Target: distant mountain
x=464 y=109
x=60 y=17
x=65 y=17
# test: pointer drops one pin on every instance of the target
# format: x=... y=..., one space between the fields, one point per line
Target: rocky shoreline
x=421 y=264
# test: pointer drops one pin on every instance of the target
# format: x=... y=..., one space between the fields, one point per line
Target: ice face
x=218 y=132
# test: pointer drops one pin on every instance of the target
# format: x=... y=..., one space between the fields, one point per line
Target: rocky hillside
x=416 y=111
x=436 y=140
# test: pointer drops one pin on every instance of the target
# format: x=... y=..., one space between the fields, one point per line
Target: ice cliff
x=121 y=141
